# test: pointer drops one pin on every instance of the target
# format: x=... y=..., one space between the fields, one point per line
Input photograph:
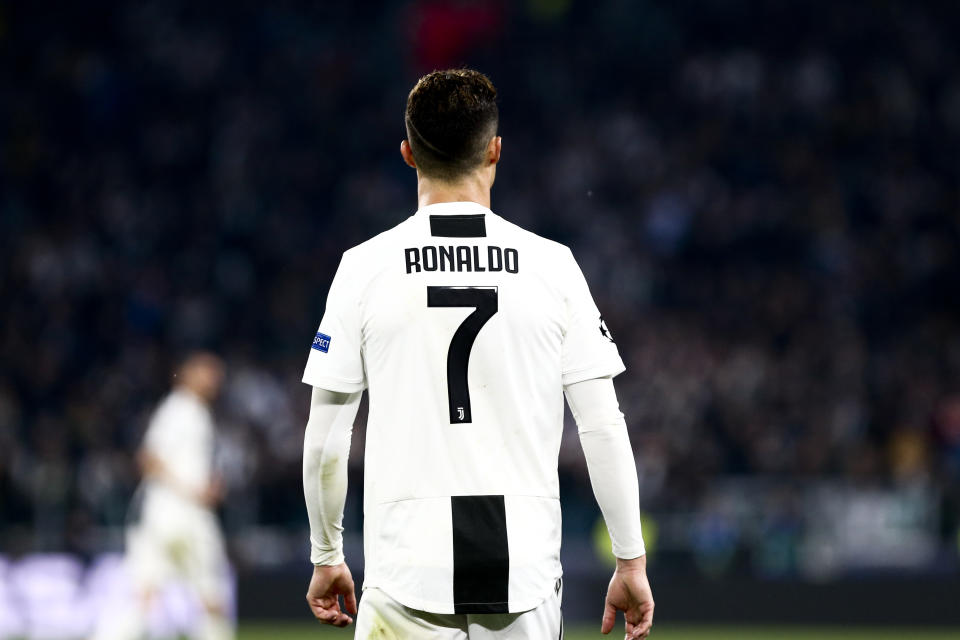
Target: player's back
x=465 y=328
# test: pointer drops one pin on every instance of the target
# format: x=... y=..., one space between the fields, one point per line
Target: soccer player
x=178 y=534
x=467 y=331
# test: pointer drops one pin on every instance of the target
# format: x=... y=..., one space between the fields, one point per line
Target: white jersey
x=465 y=328
x=180 y=435
x=176 y=536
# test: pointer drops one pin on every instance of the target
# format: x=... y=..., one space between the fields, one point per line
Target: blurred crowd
x=764 y=198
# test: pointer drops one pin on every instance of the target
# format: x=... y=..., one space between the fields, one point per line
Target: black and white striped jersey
x=464 y=328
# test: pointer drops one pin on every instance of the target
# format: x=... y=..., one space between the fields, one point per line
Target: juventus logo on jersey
x=460 y=413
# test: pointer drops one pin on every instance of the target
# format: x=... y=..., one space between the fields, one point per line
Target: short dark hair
x=451 y=116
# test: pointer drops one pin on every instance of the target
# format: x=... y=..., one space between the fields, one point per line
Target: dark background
x=763 y=196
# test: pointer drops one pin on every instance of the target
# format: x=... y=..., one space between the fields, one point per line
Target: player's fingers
x=350 y=601
x=635 y=631
x=324 y=601
x=328 y=616
x=609 y=618
x=642 y=617
x=641 y=630
x=646 y=617
x=326 y=610
x=316 y=590
x=314 y=608
x=638 y=623
x=320 y=613
x=342 y=620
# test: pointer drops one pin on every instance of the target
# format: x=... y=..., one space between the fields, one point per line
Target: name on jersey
x=321 y=342
x=461 y=258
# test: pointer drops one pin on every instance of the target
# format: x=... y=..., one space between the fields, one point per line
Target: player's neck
x=193 y=393
x=471 y=189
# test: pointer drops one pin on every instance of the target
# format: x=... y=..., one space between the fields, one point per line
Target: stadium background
x=764 y=199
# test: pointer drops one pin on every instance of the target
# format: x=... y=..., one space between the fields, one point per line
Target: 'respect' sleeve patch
x=321 y=342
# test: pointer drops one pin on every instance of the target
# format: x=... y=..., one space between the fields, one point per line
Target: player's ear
x=493 y=149
x=407 y=154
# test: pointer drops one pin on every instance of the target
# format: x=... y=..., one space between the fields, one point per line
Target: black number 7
x=458 y=357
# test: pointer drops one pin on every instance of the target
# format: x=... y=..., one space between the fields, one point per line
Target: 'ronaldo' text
x=461 y=258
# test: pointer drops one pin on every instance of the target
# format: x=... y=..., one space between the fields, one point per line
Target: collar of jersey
x=453 y=209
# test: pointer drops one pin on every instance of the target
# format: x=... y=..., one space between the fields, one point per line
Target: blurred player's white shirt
x=465 y=327
x=180 y=435
x=176 y=537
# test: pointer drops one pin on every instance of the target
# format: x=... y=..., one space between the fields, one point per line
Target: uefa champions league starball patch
x=321 y=342
x=605 y=331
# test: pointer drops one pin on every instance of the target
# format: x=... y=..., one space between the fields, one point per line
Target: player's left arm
x=613 y=475
x=326 y=447
x=153 y=467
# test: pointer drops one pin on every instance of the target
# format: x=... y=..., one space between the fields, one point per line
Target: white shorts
x=179 y=543
x=383 y=618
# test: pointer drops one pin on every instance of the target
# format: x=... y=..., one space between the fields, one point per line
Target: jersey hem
x=337 y=385
x=579 y=375
x=447 y=495
x=431 y=606
x=628 y=553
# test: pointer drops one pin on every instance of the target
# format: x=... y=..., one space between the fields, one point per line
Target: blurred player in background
x=178 y=535
x=468 y=331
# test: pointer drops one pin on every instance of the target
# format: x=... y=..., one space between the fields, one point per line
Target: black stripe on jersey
x=470 y=226
x=481 y=558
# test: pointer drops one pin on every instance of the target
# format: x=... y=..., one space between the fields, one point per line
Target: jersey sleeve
x=588 y=347
x=335 y=362
x=161 y=437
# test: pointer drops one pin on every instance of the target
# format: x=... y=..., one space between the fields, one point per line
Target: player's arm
x=326 y=447
x=613 y=475
x=153 y=468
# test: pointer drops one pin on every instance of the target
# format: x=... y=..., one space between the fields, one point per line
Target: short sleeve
x=166 y=434
x=161 y=437
x=335 y=362
x=588 y=348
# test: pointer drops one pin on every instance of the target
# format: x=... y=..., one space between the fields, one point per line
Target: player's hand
x=323 y=596
x=629 y=591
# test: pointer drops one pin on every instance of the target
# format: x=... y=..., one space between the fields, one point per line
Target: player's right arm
x=336 y=373
x=613 y=475
x=326 y=447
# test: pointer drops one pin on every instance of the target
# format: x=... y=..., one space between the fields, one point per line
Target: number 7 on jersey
x=484 y=299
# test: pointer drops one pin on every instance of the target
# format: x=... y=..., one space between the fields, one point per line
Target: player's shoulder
x=165 y=415
x=171 y=403
x=370 y=252
x=178 y=406
x=544 y=246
